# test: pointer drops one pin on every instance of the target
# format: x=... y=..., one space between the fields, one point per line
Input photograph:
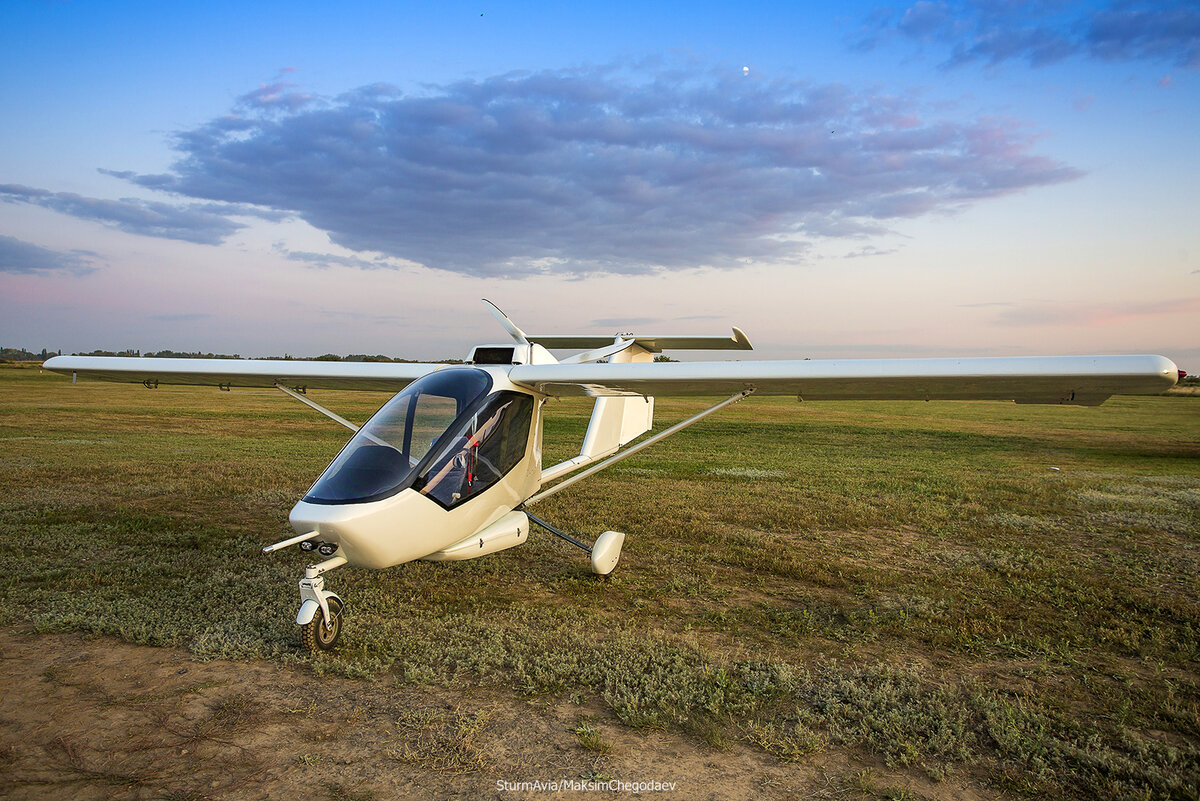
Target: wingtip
x=57 y=363
x=739 y=336
x=1170 y=371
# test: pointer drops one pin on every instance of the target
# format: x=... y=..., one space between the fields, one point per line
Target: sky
x=839 y=180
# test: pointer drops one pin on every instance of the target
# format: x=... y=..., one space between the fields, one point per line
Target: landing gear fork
x=320 y=615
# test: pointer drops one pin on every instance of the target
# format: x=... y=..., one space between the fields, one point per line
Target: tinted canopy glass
x=382 y=457
x=482 y=447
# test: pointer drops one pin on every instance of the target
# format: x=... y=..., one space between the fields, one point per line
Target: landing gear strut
x=320 y=615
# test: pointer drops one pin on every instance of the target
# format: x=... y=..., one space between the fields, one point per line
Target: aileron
x=391 y=376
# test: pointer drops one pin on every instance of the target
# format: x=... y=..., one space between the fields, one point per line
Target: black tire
x=319 y=637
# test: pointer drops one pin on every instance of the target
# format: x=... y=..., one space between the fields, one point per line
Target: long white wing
x=391 y=376
x=1081 y=380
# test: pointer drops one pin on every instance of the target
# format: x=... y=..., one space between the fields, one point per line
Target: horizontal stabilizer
x=653 y=344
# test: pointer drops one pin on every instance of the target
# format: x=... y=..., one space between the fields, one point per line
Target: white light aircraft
x=448 y=468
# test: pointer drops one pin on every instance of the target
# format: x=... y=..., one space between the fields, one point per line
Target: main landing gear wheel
x=319 y=636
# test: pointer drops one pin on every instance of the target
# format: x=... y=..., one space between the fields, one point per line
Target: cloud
x=1098 y=315
x=275 y=96
x=205 y=224
x=325 y=261
x=592 y=171
x=870 y=250
x=1151 y=31
x=17 y=256
x=1041 y=32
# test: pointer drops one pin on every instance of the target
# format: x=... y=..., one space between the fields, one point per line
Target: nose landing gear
x=320 y=615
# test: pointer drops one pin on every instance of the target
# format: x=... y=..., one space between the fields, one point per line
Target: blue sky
x=840 y=180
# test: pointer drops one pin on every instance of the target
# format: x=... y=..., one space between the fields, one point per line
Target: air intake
x=488 y=354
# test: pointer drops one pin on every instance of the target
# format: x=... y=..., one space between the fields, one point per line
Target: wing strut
x=336 y=417
x=646 y=444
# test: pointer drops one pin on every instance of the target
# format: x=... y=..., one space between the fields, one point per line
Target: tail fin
x=618 y=420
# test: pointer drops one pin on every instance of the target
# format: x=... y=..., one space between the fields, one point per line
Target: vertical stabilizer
x=618 y=420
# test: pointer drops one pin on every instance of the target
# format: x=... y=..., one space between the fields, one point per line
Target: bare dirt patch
x=96 y=718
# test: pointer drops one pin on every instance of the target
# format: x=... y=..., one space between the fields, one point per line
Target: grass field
x=1007 y=593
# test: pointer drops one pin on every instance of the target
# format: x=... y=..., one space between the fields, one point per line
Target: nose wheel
x=319 y=635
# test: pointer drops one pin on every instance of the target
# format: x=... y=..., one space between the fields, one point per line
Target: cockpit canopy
x=442 y=435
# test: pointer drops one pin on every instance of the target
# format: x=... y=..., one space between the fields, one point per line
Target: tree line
x=23 y=355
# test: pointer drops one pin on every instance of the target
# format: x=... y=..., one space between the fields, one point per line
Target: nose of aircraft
x=379 y=534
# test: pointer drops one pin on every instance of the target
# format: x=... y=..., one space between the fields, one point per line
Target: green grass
x=592 y=738
x=910 y=580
